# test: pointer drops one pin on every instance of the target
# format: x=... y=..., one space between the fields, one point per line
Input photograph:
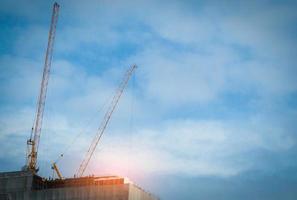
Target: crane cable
x=86 y=126
x=106 y=119
x=131 y=122
x=83 y=130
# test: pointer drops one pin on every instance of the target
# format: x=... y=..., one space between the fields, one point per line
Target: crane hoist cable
x=122 y=86
x=54 y=165
x=82 y=131
x=105 y=121
x=33 y=142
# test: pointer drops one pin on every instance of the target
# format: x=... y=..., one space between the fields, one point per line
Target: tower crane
x=33 y=142
x=105 y=121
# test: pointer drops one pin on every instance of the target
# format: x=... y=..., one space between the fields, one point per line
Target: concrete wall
x=18 y=186
x=15 y=185
x=106 y=192
x=136 y=193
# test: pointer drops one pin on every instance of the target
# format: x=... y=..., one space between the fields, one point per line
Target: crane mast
x=33 y=142
x=105 y=121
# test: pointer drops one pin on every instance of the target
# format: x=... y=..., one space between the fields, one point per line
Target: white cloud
x=22 y=74
x=189 y=147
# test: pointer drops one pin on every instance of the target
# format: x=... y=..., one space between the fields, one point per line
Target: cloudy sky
x=209 y=114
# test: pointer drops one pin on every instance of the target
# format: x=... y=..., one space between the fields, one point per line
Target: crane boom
x=55 y=167
x=105 y=121
x=33 y=142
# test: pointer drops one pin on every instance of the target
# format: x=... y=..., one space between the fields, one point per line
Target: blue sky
x=210 y=113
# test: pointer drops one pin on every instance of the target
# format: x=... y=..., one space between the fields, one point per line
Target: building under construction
x=24 y=185
x=28 y=185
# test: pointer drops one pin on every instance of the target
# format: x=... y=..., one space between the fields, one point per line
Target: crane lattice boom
x=33 y=142
x=105 y=121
